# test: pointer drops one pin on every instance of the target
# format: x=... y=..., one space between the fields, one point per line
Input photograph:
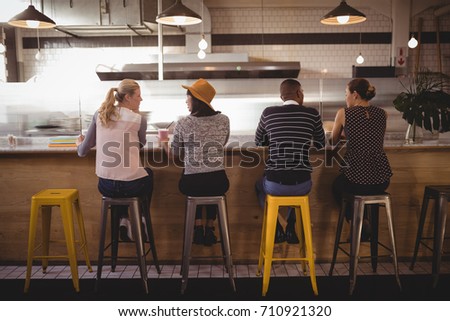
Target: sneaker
x=199 y=236
x=280 y=236
x=124 y=230
x=210 y=237
x=291 y=236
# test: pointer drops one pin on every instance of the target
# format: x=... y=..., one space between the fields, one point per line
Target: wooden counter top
x=236 y=141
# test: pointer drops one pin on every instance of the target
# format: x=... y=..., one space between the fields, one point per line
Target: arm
x=261 y=134
x=142 y=133
x=319 y=134
x=84 y=144
x=175 y=149
x=338 y=126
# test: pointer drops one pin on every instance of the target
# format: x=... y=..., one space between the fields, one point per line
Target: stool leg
x=46 y=223
x=272 y=216
x=83 y=238
x=440 y=218
x=151 y=239
x=423 y=214
x=337 y=239
x=263 y=241
x=392 y=237
x=226 y=245
x=187 y=246
x=135 y=219
x=115 y=223
x=101 y=245
x=67 y=217
x=372 y=212
x=358 y=212
x=31 y=238
x=309 y=247
x=301 y=236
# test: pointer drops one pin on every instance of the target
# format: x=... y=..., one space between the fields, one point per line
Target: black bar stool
x=441 y=196
x=191 y=206
x=359 y=202
x=134 y=205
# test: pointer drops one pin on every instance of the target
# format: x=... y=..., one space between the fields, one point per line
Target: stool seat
x=191 y=205
x=135 y=206
x=67 y=200
x=359 y=203
x=441 y=196
x=303 y=226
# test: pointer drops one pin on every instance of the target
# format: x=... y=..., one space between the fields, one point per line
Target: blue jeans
x=142 y=188
x=264 y=187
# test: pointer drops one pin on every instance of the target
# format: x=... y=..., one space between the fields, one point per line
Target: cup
x=12 y=140
x=163 y=134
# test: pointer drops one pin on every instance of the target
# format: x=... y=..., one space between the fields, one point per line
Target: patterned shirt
x=203 y=140
x=289 y=130
x=365 y=159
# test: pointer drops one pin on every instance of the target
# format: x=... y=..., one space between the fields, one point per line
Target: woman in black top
x=366 y=169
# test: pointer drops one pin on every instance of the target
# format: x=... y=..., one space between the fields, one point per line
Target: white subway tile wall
x=317 y=61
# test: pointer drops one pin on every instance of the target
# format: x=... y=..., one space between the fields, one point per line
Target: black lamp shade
x=178 y=15
x=31 y=18
x=343 y=10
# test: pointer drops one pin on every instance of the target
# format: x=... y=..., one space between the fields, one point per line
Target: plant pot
x=414 y=134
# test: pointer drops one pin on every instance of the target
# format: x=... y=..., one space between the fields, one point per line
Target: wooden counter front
x=24 y=174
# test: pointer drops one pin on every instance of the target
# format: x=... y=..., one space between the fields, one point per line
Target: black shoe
x=123 y=234
x=291 y=236
x=199 y=236
x=210 y=237
x=280 y=236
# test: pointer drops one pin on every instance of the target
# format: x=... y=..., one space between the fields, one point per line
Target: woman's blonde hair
x=107 y=110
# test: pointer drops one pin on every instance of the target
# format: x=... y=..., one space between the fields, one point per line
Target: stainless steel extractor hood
x=208 y=70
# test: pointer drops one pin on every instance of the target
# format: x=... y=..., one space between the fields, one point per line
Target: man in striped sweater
x=288 y=131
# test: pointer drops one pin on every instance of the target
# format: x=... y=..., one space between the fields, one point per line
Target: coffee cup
x=163 y=134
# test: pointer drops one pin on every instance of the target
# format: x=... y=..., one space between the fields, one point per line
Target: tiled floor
x=214 y=271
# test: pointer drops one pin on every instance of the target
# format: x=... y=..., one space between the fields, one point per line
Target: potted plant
x=425 y=103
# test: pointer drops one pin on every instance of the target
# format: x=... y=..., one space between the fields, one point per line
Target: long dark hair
x=200 y=108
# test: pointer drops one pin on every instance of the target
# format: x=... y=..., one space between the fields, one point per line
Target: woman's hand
x=80 y=140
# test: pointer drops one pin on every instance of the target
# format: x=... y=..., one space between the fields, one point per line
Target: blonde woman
x=118 y=132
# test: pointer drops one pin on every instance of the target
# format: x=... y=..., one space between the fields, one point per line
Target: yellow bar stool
x=42 y=202
x=303 y=226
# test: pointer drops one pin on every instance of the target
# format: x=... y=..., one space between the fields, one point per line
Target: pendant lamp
x=412 y=43
x=178 y=15
x=31 y=18
x=343 y=15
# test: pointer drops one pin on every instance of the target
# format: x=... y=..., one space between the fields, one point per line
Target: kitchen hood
x=208 y=70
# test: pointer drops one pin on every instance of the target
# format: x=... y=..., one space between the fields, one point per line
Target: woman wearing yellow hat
x=202 y=136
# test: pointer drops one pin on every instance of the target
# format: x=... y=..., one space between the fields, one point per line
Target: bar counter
x=32 y=166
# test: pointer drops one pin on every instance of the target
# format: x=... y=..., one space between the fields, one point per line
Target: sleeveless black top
x=365 y=159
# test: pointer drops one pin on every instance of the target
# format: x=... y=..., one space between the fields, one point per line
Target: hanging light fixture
x=360 y=58
x=31 y=18
x=203 y=44
x=343 y=15
x=38 y=53
x=178 y=15
x=412 y=43
x=201 y=54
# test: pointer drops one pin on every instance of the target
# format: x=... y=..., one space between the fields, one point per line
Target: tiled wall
x=317 y=61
